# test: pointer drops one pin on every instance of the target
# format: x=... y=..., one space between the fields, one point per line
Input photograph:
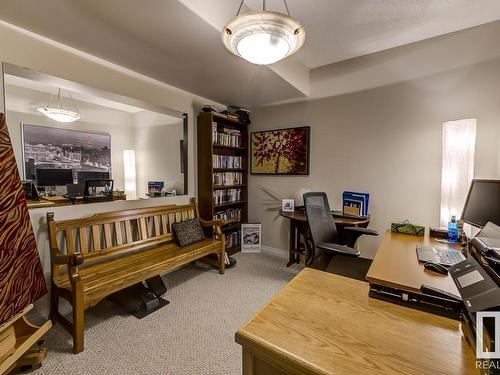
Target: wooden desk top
x=339 y=219
x=322 y=323
x=57 y=201
x=396 y=264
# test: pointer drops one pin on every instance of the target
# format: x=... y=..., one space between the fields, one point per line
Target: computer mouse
x=434 y=267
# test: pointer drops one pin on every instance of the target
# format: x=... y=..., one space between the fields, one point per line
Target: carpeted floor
x=193 y=335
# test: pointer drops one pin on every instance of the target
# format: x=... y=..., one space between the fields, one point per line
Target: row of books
x=226 y=196
x=225 y=136
x=230 y=214
x=233 y=239
x=227 y=178
x=227 y=161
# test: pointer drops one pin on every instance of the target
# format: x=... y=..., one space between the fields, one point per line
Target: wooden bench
x=96 y=256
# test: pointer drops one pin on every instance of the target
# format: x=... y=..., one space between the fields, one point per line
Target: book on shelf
x=233 y=239
x=227 y=161
x=227 y=178
x=230 y=214
x=224 y=136
x=226 y=196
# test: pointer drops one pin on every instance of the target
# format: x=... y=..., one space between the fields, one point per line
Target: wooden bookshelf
x=206 y=188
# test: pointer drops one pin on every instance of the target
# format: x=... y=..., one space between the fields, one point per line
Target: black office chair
x=323 y=241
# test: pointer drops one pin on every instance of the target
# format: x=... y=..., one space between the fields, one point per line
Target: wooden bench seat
x=97 y=256
x=101 y=279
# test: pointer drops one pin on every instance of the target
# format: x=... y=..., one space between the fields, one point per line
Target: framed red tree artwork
x=280 y=151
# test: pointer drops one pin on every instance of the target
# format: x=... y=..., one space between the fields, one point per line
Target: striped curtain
x=21 y=276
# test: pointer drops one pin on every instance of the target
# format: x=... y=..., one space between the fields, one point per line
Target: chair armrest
x=71 y=260
x=361 y=231
x=342 y=250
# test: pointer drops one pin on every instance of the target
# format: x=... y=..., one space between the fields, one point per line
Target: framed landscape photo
x=251 y=238
x=280 y=151
x=50 y=147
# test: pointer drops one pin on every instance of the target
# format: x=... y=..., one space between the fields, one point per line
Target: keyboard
x=445 y=257
x=449 y=257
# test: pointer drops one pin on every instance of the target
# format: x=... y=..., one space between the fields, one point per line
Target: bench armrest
x=210 y=223
x=216 y=224
x=71 y=260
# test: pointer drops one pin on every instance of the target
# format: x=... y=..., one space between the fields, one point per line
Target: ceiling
x=178 y=41
x=343 y=29
x=51 y=92
x=26 y=96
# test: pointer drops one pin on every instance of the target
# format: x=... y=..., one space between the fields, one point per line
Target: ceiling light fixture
x=57 y=112
x=263 y=37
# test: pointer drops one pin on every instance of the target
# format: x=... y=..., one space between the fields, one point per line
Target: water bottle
x=453 y=230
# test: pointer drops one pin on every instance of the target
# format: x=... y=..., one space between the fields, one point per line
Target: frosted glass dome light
x=60 y=115
x=263 y=37
x=57 y=112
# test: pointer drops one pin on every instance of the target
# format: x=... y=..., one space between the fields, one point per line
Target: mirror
x=77 y=144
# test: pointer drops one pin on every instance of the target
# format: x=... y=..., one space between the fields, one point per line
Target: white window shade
x=459 y=143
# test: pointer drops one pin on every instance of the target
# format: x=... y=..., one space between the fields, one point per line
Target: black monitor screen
x=53 y=177
x=483 y=203
x=92 y=175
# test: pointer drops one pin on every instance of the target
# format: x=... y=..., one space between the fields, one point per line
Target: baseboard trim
x=275 y=251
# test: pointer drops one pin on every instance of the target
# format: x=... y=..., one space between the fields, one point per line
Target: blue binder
x=354 y=199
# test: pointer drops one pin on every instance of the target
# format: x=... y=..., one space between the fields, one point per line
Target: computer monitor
x=483 y=203
x=53 y=176
x=91 y=175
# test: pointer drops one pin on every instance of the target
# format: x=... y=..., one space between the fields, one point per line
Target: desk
x=57 y=201
x=322 y=323
x=298 y=228
x=396 y=269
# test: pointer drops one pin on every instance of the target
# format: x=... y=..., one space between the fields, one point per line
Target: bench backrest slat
x=96 y=238
x=143 y=230
x=118 y=232
x=128 y=232
x=70 y=242
x=111 y=233
x=107 y=236
x=82 y=233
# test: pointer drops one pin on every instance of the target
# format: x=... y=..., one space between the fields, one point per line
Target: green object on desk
x=408 y=228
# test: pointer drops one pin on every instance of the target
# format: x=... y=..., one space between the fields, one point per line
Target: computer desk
x=57 y=201
x=299 y=230
x=397 y=276
x=322 y=323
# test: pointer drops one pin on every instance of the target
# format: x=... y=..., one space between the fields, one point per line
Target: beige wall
x=157 y=147
x=386 y=141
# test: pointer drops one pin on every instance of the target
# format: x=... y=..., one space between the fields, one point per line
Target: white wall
x=386 y=141
x=157 y=150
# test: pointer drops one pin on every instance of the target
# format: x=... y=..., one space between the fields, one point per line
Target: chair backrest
x=319 y=218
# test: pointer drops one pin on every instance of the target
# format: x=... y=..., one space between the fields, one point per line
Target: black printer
x=478 y=282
